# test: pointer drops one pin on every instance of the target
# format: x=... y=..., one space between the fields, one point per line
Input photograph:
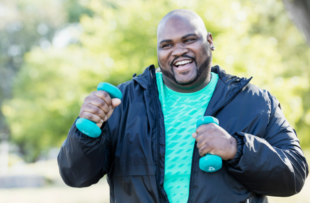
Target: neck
x=201 y=82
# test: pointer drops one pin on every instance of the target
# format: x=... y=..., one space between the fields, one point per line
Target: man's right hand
x=98 y=107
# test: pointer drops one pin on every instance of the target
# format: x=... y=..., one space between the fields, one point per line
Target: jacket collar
x=144 y=80
x=226 y=89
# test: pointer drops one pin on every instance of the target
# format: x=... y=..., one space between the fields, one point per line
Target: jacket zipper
x=193 y=159
x=154 y=85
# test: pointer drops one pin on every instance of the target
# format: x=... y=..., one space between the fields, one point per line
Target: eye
x=189 y=40
x=166 y=46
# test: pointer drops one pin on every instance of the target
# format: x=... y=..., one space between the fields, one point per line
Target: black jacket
x=131 y=148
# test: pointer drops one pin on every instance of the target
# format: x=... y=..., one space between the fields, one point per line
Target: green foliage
x=75 y=10
x=119 y=39
x=23 y=25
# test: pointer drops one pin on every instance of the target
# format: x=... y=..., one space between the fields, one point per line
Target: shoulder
x=130 y=89
x=125 y=86
x=139 y=83
x=258 y=97
x=134 y=87
x=250 y=93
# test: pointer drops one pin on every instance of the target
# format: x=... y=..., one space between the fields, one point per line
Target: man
x=150 y=148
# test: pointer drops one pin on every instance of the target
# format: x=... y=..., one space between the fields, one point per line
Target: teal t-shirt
x=181 y=111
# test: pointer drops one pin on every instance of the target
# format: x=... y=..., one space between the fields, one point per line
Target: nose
x=179 y=50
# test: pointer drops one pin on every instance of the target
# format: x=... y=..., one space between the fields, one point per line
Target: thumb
x=116 y=102
x=194 y=135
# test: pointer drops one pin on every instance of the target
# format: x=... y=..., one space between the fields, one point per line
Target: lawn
x=57 y=192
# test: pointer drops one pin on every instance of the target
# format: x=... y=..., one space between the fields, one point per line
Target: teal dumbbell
x=90 y=128
x=210 y=162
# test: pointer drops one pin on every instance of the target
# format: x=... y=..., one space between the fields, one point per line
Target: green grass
x=60 y=193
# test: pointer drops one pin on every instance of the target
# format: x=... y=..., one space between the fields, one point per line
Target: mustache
x=184 y=55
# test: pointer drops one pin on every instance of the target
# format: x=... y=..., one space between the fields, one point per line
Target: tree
x=120 y=40
x=299 y=12
x=23 y=26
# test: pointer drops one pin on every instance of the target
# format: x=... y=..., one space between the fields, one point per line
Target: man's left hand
x=212 y=139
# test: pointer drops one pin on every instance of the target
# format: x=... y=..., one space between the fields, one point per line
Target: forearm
x=81 y=158
x=267 y=169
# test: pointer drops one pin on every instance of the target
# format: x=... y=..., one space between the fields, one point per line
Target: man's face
x=183 y=51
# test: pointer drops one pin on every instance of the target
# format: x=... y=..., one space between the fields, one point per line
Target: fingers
x=90 y=116
x=201 y=128
x=104 y=96
x=110 y=112
x=93 y=118
x=209 y=127
x=200 y=135
x=203 y=136
x=90 y=108
x=212 y=139
x=202 y=143
x=204 y=146
x=204 y=149
x=98 y=107
x=99 y=103
x=116 y=102
x=100 y=123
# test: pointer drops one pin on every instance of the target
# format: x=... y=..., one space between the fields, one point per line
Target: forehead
x=175 y=27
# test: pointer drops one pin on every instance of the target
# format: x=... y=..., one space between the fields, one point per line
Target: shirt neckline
x=172 y=92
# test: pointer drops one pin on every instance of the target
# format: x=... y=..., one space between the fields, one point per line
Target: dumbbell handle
x=209 y=163
x=89 y=127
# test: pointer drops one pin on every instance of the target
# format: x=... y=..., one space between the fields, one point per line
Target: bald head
x=184 y=51
x=179 y=16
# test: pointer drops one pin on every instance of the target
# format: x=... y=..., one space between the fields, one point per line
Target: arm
x=83 y=160
x=273 y=165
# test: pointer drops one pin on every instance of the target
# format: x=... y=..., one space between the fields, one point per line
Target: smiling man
x=150 y=147
x=184 y=51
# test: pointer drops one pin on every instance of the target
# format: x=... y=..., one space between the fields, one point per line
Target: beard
x=199 y=70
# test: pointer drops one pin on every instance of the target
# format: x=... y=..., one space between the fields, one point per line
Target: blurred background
x=53 y=53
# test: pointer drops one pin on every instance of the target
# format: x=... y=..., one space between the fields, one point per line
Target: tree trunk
x=299 y=12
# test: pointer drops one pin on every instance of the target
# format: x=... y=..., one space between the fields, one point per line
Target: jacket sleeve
x=83 y=160
x=274 y=164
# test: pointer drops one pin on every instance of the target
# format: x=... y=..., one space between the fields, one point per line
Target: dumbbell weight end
x=209 y=162
x=90 y=128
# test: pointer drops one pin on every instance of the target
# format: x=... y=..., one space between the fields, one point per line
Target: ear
x=210 y=40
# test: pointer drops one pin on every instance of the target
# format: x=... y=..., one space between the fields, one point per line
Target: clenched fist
x=212 y=139
x=98 y=107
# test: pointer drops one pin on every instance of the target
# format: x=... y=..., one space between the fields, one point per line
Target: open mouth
x=183 y=64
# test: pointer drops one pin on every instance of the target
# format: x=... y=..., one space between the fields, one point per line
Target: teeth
x=182 y=62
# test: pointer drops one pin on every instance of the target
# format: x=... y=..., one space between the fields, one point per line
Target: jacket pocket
x=134 y=183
